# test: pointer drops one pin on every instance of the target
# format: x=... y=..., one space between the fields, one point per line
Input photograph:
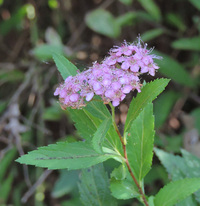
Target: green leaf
x=195 y=3
x=98 y=109
x=175 y=165
x=52 y=37
x=119 y=173
x=179 y=168
x=65 y=67
x=94 y=187
x=140 y=142
x=192 y=162
x=65 y=155
x=46 y=51
x=6 y=162
x=5 y=188
x=102 y=22
x=188 y=201
x=129 y=18
x=163 y=106
x=14 y=21
x=176 y=21
x=17 y=193
x=187 y=43
x=66 y=183
x=88 y=119
x=174 y=70
x=151 y=34
x=151 y=7
x=151 y=201
x=85 y=123
x=144 y=16
x=11 y=76
x=149 y=92
x=176 y=191
x=53 y=4
x=100 y=134
x=123 y=189
x=127 y=2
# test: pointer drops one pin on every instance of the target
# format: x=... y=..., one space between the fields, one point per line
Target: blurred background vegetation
x=31 y=31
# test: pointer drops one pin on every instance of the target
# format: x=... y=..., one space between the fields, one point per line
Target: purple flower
x=89 y=96
x=126 y=89
x=112 y=79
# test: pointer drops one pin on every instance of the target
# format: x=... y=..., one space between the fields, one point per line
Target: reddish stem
x=129 y=168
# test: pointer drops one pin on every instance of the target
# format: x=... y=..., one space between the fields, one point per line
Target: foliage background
x=30 y=31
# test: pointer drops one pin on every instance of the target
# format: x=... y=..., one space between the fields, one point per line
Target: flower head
x=112 y=79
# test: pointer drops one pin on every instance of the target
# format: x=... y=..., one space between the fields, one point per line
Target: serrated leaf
x=176 y=191
x=175 y=165
x=65 y=67
x=98 y=109
x=102 y=21
x=100 y=134
x=187 y=44
x=64 y=155
x=192 y=162
x=178 y=168
x=188 y=201
x=149 y=92
x=123 y=189
x=140 y=142
x=87 y=125
x=87 y=121
x=151 y=7
x=151 y=34
x=94 y=187
x=170 y=68
x=163 y=105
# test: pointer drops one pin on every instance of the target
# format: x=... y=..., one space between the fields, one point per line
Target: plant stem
x=125 y=156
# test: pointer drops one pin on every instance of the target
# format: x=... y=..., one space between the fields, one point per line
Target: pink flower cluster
x=112 y=79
